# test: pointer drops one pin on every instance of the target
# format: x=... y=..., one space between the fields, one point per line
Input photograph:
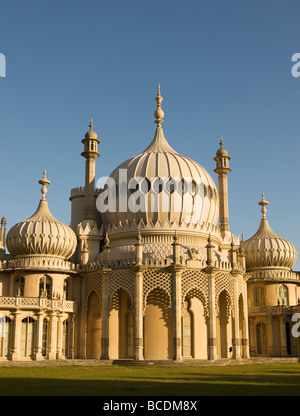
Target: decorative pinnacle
x=159 y=114
x=106 y=240
x=91 y=125
x=139 y=238
x=3 y=221
x=175 y=238
x=221 y=143
x=44 y=182
x=263 y=204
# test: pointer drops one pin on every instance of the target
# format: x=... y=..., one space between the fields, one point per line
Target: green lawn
x=271 y=379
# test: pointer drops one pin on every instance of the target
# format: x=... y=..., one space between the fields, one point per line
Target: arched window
x=66 y=289
x=65 y=338
x=27 y=337
x=19 y=286
x=283 y=295
x=259 y=296
x=261 y=338
x=5 y=335
x=45 y=289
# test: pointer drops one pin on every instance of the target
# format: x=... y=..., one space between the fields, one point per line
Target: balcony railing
x=20 y=302
x=273 y=310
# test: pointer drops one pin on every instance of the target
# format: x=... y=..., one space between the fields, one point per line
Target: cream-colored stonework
x=154 y=285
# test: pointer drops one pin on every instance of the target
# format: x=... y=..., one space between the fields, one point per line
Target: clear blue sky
x=224 y=69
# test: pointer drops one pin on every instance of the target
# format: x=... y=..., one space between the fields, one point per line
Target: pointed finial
x=175 y=238
x=221 y=143
x=139 y=238
x=91 y=125
x=44 y=182
x=232 y=244
x=159 y=114
x=106 y=240
x=3 y=221
x=263 y=204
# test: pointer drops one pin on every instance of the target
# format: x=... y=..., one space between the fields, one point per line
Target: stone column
x=283 y=347
x=52 y=336
x=105 y=318
x=236 y=321
x=252 y=336
x=83 y=317
x=177 y=322
x=39 y=336
x=270 y=328
x=70 y=353
x=245 y=334
x=59 y=354
x=16 y=336
x=138 y=316
x=212 y=330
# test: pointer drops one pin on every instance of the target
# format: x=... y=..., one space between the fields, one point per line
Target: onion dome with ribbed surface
x=41 y=234
x=265 y=249
x=172 y=178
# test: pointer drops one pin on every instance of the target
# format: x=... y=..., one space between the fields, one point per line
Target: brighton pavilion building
x=148 y=269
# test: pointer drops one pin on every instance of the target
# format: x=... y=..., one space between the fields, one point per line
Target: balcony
x=24 y=303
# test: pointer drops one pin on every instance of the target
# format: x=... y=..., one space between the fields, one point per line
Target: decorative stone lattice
x=94 y=283
x=242 y=292
x=156 y=279
x=121 y=279
x=224 y=282
x=194 y=283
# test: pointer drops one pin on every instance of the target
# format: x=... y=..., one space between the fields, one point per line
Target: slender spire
x=91 y=125
x=159 y=143
x=44 y=181
x=263 y=204
x=159 y=114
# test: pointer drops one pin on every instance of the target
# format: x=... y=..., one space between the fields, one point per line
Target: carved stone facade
x=146 y=285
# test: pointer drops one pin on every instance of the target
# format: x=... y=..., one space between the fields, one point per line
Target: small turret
x=222 y=169
x=2 y=234
x=90 y=153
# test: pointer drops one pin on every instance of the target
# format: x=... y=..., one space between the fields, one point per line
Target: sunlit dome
x=41 y=234
x=265 y=249
x=176 y=182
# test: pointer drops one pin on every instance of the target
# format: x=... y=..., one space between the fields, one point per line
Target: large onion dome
x=265 y=249
x=41 y=234
x=173 y=178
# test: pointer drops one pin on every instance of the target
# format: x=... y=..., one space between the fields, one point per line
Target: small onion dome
x=265 y=249
x=221 y=151
x=41 y=234
x=91 y=134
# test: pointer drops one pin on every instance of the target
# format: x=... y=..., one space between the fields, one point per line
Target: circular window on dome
x=133 y=185
x=171 y=186
x=158 y=185
x=193 y=188
x=201 y=190
x=145 y=186
x=183 y=186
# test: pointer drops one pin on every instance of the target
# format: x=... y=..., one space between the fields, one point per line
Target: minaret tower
x=222 y=169
x=2 y=234
x=90 y=152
